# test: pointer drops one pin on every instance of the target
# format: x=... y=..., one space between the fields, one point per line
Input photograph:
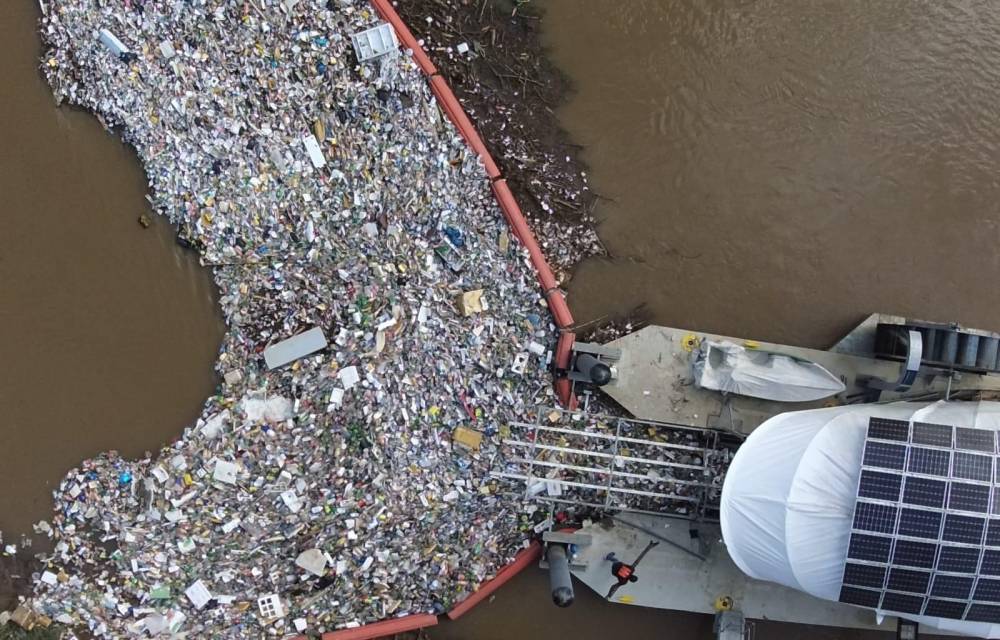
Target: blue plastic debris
x=455 y=237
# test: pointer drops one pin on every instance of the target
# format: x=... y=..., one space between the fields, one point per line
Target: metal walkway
x=618 y=464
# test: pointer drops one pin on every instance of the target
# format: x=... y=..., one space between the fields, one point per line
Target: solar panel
x=873 y=548
x=932 y=462
x=969 y=497
x=914 y=554
x=975 y=439
x=957 y=587
x=922 y=539
x=983 y=613
x=886 y=429
x=972 y=466
x=885 y=455
x=958 y=559
x=918 y=523
x=987 y=590
x=864 y=575
x=944 y=609
x=881 y=518
x=908 y=580
x=925 y=492
x=991 y=563
x=862 y=597
x=880 y=485
x=967 y=529
x=937 y=435
x=902 y=602
x=993 y=534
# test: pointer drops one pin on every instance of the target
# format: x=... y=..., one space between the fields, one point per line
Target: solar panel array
x=926 y=532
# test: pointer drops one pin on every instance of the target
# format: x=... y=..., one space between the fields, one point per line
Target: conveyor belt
x=944 y=346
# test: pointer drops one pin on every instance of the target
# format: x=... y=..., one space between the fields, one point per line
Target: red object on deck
x=521 y=561
x=384 y=628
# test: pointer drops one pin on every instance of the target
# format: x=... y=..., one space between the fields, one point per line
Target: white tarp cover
x=788 y=499
x=728 y=367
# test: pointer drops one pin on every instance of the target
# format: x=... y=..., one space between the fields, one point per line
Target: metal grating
x=924 y=539
x=616 y=464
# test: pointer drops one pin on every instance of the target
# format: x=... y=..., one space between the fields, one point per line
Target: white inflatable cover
x=728 y=367
x=788 y=499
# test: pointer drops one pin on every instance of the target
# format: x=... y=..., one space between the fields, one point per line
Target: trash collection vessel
x=796 y=511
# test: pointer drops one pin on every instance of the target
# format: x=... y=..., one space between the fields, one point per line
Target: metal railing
x=612 y=463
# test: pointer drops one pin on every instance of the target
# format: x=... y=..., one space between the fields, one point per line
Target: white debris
x=225 y=472
x=375 y=42
x=349 y=377
x=167 y=49
x=313 y=149
x=313 y=561
x=291 y=500
x=270 y=607
x=198 y=594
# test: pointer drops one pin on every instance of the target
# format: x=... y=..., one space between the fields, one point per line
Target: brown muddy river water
x=778 y=169
x=772 y=169
x=108 y=331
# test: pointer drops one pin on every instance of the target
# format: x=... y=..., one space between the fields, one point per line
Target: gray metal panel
x=987 y=357
x=567 y=537
x=949 y=347
x=654 y=380
x=931 y=337
x=598 y=350
x=290 y=350
x=670 y=578
x=968 y=350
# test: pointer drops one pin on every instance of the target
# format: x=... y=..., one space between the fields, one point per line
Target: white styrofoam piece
x=313 y=561
x=315 y=152
x=112 y=42
x=198 y=594
x=270 y=607
x=349 y=376
x=301 y=345
x=291 y=500
x=375 y=42
x=225 y=472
